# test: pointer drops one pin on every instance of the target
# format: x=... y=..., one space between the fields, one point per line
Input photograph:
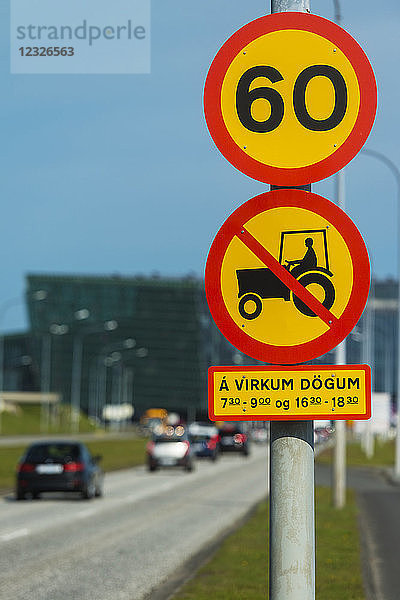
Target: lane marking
x=6 y=537
x=86 y=513
x=301 y=292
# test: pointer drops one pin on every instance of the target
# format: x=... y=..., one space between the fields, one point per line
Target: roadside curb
x=368 y=555
x=171 y=586
x=388 y=474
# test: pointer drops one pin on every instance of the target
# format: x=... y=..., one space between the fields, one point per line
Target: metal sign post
x=289 y=99
x=291 y=517
x=292 y=531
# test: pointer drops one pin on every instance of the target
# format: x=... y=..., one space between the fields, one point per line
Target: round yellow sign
x=287 y=276
x=290 y=98
x=290 y=234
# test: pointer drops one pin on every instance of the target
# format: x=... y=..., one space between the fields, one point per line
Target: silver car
x=170 y=448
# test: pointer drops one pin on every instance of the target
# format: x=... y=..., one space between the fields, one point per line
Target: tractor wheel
x=324 y=283
x=253 y=314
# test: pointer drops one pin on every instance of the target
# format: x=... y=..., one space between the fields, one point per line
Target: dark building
x=144 y=340
x=148 y=341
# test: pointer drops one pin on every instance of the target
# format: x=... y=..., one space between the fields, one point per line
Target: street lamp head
x=111 y=325
x=142 y=352
x=57 y=329
x=81 y=314
x=129 y=343
x=39 y=295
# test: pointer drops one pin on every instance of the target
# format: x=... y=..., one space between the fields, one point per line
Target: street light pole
x=100 y=388
x=38 y=295
x=3 y=310
x=396 y=173
x=339 y=454
x=45 y=376
x=77 y=352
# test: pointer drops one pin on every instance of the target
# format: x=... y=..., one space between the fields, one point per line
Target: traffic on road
x=127 y=543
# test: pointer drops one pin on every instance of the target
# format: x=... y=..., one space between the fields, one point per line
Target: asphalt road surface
x=123 y=546
x=378 y=500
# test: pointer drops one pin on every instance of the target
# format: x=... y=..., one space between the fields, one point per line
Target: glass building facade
x=148 y=341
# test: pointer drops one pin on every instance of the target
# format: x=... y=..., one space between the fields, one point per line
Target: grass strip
x=383 y=456
x=116 y=454
x=238 y=570
x=27 y=420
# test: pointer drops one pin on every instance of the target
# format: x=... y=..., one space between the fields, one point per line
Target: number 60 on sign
x=290 y=98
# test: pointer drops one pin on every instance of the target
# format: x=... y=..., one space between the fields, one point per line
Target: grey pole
x=339 y=454
x=77 y=355
x=370 y=326
x=290 y=6
x=396 y=172
x=45 y=382
x=76 y=382
x=292 y=530
x=3 y=310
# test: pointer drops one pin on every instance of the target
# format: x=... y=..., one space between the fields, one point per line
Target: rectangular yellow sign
x=289 y=393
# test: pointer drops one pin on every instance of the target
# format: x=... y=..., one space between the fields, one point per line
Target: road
x=125 y=545
x=378 y=501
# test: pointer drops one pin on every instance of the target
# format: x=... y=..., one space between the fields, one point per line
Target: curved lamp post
x=396 y=173
x=124 y=380
x=38 y=296
x=98 y=369
x=77 y=352
x=45 y=378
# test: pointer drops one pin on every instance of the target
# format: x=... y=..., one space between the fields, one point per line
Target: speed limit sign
x=290 y=98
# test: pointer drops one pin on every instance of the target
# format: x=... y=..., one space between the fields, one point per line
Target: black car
x=233 y=439
x=59 y=466
x=204 y=439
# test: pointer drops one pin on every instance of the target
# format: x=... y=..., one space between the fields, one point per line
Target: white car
x=171 y=448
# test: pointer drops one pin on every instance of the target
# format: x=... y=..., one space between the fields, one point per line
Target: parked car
x=170 y=448
x=59 y=466
x=233 y=439
x=205 y=440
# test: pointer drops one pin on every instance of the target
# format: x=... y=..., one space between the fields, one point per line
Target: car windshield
x=53 y=452
x=164 y=439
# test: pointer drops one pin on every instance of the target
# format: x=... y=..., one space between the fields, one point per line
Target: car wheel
x=36 y=495
x=152 y=468
x=20 y=495
x=99 y=491
x=189 y=467
x=89 y=490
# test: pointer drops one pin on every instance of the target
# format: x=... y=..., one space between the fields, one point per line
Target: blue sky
x=105 y=174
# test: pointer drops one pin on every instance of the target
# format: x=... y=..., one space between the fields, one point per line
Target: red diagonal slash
x=301 y=292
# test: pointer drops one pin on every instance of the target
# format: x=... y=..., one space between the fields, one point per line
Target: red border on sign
x=340 y=328
x=319 y=170
x=288 y=417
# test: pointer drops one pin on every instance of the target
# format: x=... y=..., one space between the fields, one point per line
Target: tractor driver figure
x=308 y=262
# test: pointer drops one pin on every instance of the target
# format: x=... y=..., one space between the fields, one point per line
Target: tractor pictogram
x=260 y=284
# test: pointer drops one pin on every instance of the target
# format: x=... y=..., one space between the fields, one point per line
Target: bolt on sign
x=287 y=276
x=289 y=393
x=290 y=98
